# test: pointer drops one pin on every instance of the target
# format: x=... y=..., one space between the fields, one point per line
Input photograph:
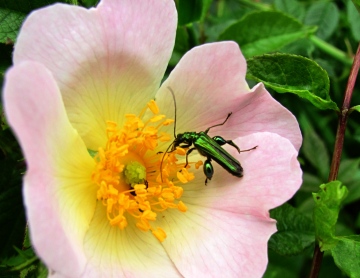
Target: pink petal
x=209 y=82
x=206 y=242
x=260 y=112
x=272 y=175
x=59 y=167
x=108 y=61
x=206 y=82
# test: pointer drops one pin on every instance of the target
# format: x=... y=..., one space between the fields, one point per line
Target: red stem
x=339 y=142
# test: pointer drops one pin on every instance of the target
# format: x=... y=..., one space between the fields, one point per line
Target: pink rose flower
x=79 y=99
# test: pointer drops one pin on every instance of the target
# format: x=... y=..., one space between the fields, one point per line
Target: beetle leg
x=208 y=170
x=221 y=141
x=187 y=154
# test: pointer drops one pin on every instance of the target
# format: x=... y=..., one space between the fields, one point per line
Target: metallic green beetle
x=208 y=147
x=211 y=149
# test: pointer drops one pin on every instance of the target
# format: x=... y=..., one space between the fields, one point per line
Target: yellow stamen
x=184 y=176
x=128 y=172
x=153 y=107
x=159 y=234
x=198 y=164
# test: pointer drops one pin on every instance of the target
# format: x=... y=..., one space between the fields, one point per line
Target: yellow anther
x=198 y=164
x=112 y=190
x=168 y=196
x=155 y=191
x=145 y=206
x=182 y=207
x=149 y=215
x=159 y=234
x=144 y=226
x=188 y=175
x=168 y=122
x=111 y=126
x=157 y=118
x=118 y=220
x=110 y=203
x=128 y=176
x=164 y=137
x=178 y=191
x=153 y=106
x=180 y=151
x=181 y=177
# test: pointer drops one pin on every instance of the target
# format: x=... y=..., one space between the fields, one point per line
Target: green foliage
x=313 y=144
x=344 y=249
x=349 y=174
x=13 y=13
x=326 y=212
x=356 y=108
x=89 y=3
x=293 y=74
x=346 y=255
x=354 y=20
x=325 y=15
x=356 y=4
x=263 y=32
x=191 y=10
x=291 y=7
x=295 y=231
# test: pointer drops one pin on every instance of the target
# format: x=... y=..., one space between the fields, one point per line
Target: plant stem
x=331 y=50
x=339 y=142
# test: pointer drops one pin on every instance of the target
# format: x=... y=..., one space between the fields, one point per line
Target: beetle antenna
x=162 y=160
x=173 y=95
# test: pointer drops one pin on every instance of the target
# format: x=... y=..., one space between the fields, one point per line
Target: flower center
x=128 y=172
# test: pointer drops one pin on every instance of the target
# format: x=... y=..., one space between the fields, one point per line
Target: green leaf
x=283 y=266
x=355 y=108
x=27 y=242
x=354 y=20
x=262 y=32
x=315 y=149
x=23 y=256
x=346 y=255
x=10 y=22
x=286 y=73
x=325 y=15
x=13 y=13
x=303 y=47
x=295 y=231
x=326 y=211
x=349 y=174
x=89 y=3
x=291 y=7
x=357 y=4
x=192 y=10
x=310 y=182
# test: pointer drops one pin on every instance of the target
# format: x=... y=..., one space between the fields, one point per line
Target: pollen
x=135 y=179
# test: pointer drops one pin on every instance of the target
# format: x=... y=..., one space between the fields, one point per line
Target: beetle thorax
x=185 y=138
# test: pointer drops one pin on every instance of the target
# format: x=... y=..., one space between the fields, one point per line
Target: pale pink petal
x=59 y=197
x=108 y=61
x=126 y=253
x=209 y=83
x=272 y=175
x=206 y=83
x=260 y=112
x=206 y=242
